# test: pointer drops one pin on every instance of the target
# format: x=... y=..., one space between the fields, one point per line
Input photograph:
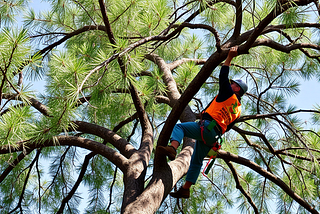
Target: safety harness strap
x=215 y=147
x=208 y=166
x=211 y=126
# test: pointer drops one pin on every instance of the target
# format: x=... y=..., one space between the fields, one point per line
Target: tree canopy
x=118 y=75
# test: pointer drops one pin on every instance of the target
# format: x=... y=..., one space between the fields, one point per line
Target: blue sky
x=308 y=95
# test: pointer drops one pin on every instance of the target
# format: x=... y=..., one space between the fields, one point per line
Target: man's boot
x=181 y=193
x=169 y=151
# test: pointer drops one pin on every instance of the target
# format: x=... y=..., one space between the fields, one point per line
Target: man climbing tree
x=216 y=119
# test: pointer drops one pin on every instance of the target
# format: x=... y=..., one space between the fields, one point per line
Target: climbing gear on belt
x=216 y=146
x=212 y=154
x=209 y=164
x=212 y=125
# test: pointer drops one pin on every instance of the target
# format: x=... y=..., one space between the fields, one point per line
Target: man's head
x=239 y=87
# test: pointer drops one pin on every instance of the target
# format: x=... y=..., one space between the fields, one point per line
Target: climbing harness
x=212 y=154
x=212 y=125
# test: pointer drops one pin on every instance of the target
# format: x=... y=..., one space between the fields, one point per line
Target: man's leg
x=180 y=130
x=199 y=153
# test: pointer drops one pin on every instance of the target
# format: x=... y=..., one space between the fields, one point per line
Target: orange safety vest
x=224 y=112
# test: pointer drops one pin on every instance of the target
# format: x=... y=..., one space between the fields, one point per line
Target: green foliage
x=185 y=74
x=9 y=10
x=15 y=126
x=293 y=15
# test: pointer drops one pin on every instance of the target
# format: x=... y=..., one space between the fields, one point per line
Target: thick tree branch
x=284 y=48
x=279 y=9
x=272 y=115
x=163 y=180
x=134 y=176
x=146 y=126
x=238 y=24
x=243 y=161
x=269 y=29
x=85 y=165
x=167 y=77
x=39 y=106
x=295 y=42
x=106 y=22
x=33 y=102
x=179 y=62
x=109 y=136
x=147 y=132
x=163 y=99
x=98 y=148
x=173 y=93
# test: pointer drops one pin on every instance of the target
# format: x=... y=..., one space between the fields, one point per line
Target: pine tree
x=118 y=75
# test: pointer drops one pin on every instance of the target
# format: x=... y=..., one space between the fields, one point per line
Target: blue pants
x=201 y=149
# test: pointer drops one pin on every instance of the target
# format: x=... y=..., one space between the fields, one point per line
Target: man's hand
x=233 y=52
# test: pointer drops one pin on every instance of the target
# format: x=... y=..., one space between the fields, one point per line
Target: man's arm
x=232 y=53
x=225 y=90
